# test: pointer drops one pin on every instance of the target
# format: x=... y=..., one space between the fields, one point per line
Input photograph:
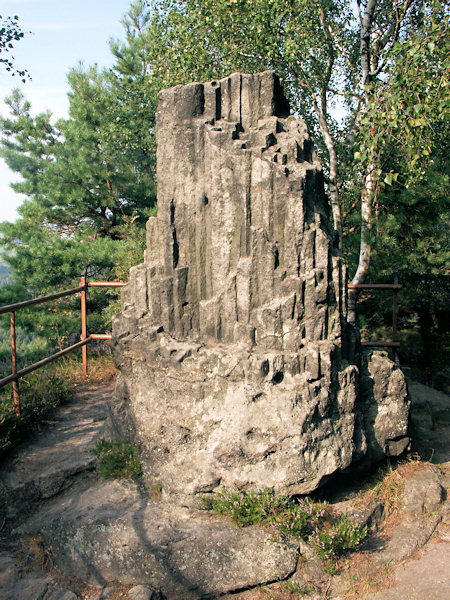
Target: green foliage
x=90 y=189
x=29 y=348
x=343 y=535
x=392 y=109
x=410 y=239
x=82 y=188
x=406 y=111
x=292 y=587
x=245 y=508
x=89 y=179
x=186 y=42
x=10 y=33
x=280 y=514
x=287 y=517
x=118 y=460
x=40 y=392
x=297 y=518
x=49 y=327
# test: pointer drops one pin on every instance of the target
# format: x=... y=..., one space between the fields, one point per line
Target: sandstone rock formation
x=237 y=365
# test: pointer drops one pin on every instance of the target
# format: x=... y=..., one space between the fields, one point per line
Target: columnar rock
x=237 y=365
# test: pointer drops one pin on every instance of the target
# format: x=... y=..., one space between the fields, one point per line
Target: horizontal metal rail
x=375 y=286
x=381 y=344
x=40 y=300
x=43 y=362
x=106 y=283
x=85 y=339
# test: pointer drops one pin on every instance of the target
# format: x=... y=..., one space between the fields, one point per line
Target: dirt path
x=56 y=457
x=426 y=576
x=59 y=452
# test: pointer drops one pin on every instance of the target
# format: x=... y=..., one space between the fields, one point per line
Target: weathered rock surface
x=422 y=498
x=426 y=578
x=423 y=493
x=14 y=586
x=100 y=532
x=141 y=592
x=45 y=465
x=441 y=380
x=116 y=531
x=430 y=418
x=238 y=366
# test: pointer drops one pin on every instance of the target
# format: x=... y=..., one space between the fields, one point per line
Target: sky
x=58 y=35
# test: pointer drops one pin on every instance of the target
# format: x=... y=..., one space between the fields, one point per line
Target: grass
x=264 y=506
x=388 y=483
x=118 y=460
x=292 y=587
x=101 y=369
x=46 y=388
x=40 y=392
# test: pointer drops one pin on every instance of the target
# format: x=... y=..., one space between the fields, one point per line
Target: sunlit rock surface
x=237 y=364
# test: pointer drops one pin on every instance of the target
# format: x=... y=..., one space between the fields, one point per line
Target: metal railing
x=85 y=338
x=395 y=287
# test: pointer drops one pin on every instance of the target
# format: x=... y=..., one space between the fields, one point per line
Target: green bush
x=118 y=460
x=342 y=536
x=243 y=508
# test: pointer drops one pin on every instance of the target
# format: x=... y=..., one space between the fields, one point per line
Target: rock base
x=116 y=531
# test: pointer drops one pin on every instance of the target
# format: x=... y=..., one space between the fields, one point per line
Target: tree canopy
x=384 y=64
x=370 y=78
x=10 y=33
x=88 y=181
x=85 y=186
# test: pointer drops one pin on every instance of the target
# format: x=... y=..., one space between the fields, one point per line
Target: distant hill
x=5 y=274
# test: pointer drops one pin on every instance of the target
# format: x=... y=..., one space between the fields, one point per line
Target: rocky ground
x=59 y=517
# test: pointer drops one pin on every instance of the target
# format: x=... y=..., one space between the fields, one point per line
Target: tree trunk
x=368 y=186
x=321 y=112
x=323 y=122
x=332 y=183
x=367 y=194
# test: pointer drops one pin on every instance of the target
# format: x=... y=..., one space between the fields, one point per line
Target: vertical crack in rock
x=243 y=296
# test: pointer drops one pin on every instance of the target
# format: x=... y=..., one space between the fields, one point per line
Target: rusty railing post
x=395 y=311
x=15 y=384
x=395 y=315
x=83 y=325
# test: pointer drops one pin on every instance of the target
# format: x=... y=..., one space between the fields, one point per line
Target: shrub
x=289 y=518
x=299 y=518
x=244 y=508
